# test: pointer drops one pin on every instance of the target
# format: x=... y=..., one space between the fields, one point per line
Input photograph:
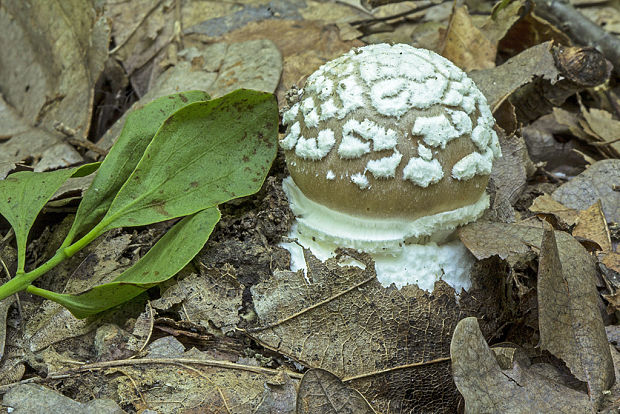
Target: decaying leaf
x=497 y=84
x=597 y=182
x=35 y=398
x=212 y=299
x=570 y=322
x=321 y=392
x=600 y=124
x=510 y=174
x=465 y=45
x=545 y=205
x=389 y=344
x=592 y=225
x=53 y=54
x=487 y=388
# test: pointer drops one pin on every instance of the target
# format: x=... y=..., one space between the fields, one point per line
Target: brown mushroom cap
x=410 y=108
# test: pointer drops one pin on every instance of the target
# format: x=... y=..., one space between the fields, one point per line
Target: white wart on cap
x=388 y=139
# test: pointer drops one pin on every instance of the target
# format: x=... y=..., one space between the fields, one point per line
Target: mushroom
x=389 y=150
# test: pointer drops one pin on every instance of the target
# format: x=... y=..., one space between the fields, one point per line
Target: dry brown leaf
x=501 y=20
x=599 y=181
x=612 y=261
x=558 y=156
x=487 y=388
x=211 y=300
x=601 y=124
x=465 y=45
x=547 y=206
x=571 y=120
x=510 y=174
x=52 y=56
x=570 y=322
x=321 y=392
x=389 y=344
x=529 y=31
x=518 y=242
x=498 y=83
x=141 y=29
x=592 y=225
x=214 y=387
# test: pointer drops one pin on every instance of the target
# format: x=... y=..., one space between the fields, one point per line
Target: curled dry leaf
x=570 y=322
x=487 y=388
x=599 y=181
x=389 y=344
x=564 y=217
x=321 y=392
x=465 y=45
x=591 y=225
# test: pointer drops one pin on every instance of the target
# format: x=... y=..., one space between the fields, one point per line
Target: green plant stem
x=21 y=281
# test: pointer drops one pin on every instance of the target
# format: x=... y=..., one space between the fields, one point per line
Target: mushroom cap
x=390 y=132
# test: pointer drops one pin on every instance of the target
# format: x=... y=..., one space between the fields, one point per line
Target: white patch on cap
x=351 y=147
x=461 y=121
x=384 y=167
x=312 y=119
x=424 y=153
x=361 y=180
x=307 y=105
x=315 y=149
x=452 y=97
x=291 y=139
x=320 y=85
x=390 y=96
x=436 y=130
x=351 y=96
x=473 y=164
x=422 y=172
x=468 y=104
x=481 y=135
x=330 y=175
x=289 y=115
x=382 y=139
x=428 y=93
x=328 y=109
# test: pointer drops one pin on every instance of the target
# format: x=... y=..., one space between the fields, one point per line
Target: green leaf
x=205 y=154
x=24 y=194
x=138 y=131
x=166 y=258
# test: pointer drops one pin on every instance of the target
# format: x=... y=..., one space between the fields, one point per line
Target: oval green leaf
x=138 y=131
x=204 y=154
x=24 y=194
x=165 y=259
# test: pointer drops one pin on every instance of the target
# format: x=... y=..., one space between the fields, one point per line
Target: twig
x=399 y=367
x=182 y=362
x=316 y=305
x=88 y=145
